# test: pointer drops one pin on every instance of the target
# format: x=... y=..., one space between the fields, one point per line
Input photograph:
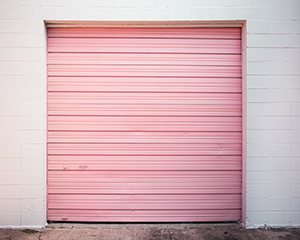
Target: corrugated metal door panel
x=144 y=202
x=142 y=45
x=151 y=163
x=144 y=137
x=173 y=33
x=145 y=59
x=93 y=215
x=149 y=110
x=144 y=85
x=143 y=98
x=144 y=124
x=144 y=149
x=143 y=71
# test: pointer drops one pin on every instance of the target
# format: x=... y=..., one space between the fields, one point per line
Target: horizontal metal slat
x=145 y=149
x=124 y=45
x=144 y=110
x=148 y=174
x=144 y=71
x=144 y=137
x=146 y=188
x=144 y=124
x=144 y=182
x=144 y=59
x=145 y=84
x=145 y=206
x=156 y=163
x=75 y=179
x=144 y=98
x=234 y=33
x=144 y=202
x=145 y=215
x=144 y=198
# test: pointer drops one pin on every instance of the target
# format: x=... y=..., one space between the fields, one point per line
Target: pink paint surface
x=144 y=124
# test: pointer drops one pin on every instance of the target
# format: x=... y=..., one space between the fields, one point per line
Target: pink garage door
x=144 y=124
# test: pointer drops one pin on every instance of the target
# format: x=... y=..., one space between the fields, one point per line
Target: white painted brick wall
x=273 y=109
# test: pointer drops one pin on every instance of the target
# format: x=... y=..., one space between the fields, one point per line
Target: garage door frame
x=157 y=24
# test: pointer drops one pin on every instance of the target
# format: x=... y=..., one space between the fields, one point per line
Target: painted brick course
x=273 y=109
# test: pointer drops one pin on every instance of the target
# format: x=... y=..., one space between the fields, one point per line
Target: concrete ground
x=151 y=232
